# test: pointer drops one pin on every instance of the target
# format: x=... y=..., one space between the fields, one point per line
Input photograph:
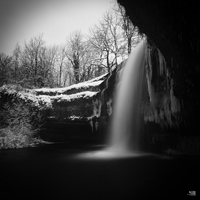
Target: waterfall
x=124 y=140
x=144 y=69
x=125 y=123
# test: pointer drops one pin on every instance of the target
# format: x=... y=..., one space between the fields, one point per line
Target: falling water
x=125 y=127
x=124 y=137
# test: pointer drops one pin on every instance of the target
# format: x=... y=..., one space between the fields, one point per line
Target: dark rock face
x=173 y=27
x=162 y=106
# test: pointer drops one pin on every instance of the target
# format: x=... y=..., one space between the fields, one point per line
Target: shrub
x=19 y=128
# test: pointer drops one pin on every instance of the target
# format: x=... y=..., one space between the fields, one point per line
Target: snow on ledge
x=46 y=100
x=72 y=97
x=91 y=83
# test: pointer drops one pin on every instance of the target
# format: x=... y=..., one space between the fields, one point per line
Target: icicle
x=96 y=125
x=109 y=107
x=175 y=106
x=151 y=91
x=96 y=114
x=150 y=87
x=162 y=62
x=100 y=104
x=91 y=124
x=150 y=64
x=96 y=107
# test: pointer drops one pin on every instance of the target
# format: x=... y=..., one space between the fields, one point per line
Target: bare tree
x=74 y=47
x=130 y=32
x=79 y=55
x=112 y=21
x=100 y=41
x=62 y=65
x=16 y=61
x=5 y=68
x=106 y=39
x=31 y=57
x=38 y=63
x=48 y=60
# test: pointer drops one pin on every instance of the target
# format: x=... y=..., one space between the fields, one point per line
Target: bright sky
x=21 y=20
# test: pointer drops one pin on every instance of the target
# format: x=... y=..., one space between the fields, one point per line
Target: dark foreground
x=53 y=171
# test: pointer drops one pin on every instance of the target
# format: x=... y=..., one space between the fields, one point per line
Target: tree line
x=81 y=58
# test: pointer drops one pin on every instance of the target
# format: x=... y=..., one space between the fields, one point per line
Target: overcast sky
x=21 y=20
